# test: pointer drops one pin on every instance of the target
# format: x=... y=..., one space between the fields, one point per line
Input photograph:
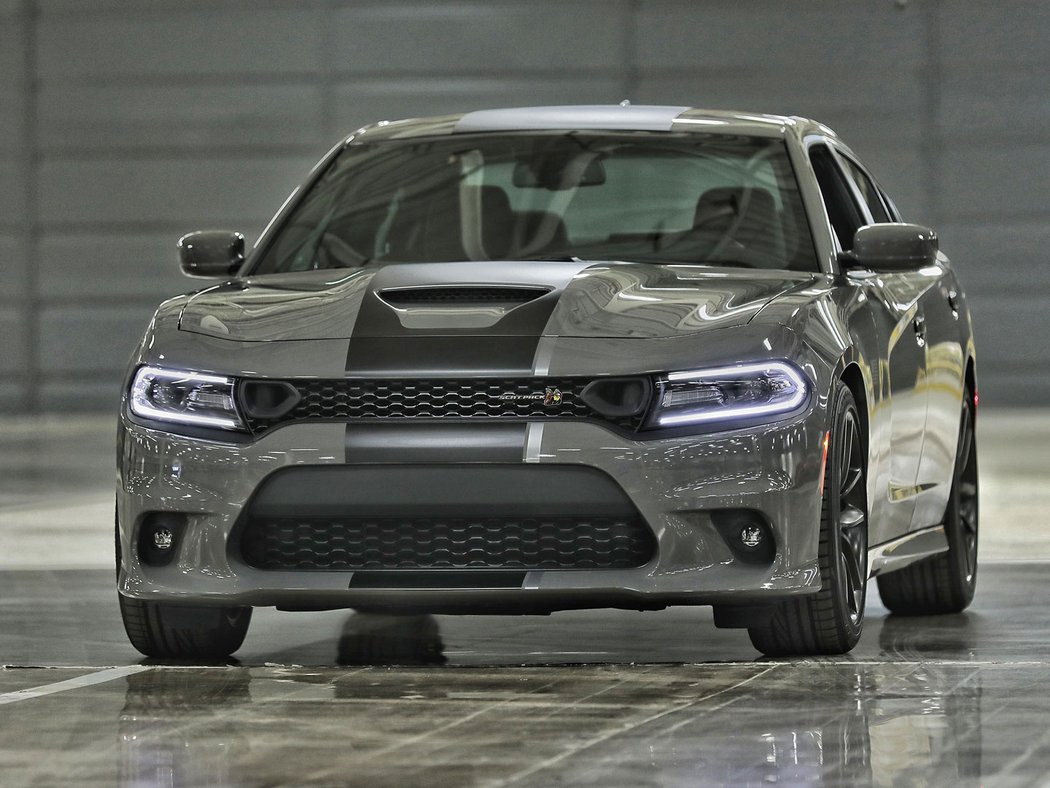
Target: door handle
x=919 y=324
x=953 y=302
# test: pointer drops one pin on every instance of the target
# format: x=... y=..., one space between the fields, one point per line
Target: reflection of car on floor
x=841 y=724
x=175 y=727
x=539 y=359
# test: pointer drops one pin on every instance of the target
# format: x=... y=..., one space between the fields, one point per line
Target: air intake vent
x=352 y=543
x=461 y=296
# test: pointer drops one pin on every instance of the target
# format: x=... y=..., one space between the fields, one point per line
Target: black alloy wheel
x=946 y=582
x=853 y=517
x=961 y=518
x=830 y=621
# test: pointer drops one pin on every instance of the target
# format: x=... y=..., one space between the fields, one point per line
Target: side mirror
x=211 y=253
x=886 y=248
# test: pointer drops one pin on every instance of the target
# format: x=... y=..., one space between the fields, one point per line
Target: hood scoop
x=461 y=296
x=458 y=307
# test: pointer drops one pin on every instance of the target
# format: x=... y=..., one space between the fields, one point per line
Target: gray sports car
x=527 y=360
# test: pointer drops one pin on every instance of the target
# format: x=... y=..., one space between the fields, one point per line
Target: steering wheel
x=334 y=252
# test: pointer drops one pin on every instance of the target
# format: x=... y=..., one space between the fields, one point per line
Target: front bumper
x=674 y=483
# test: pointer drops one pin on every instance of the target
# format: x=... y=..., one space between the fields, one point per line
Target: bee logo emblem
x=552 y=397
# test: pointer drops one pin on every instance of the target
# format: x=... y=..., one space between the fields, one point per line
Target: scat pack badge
x=551 y=397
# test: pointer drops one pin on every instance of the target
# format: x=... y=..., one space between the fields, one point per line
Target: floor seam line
x=88 y=680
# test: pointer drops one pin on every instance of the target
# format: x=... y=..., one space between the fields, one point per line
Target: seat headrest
x=497 y=221
x=732 y=201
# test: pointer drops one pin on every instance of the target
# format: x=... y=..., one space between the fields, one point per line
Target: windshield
x=639 y=196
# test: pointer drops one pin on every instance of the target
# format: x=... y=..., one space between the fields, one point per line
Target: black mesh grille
x=462 y=295
x=447 y=543
x=442 y=398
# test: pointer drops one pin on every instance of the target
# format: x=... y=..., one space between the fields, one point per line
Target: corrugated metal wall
x=124 y=123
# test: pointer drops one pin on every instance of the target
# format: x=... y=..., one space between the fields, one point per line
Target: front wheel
x=830 y=621
x=167 y=631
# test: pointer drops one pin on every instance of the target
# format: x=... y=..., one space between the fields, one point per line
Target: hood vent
x=461 y=295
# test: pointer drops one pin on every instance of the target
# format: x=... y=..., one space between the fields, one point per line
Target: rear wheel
x=946 y=582
x=830 y=621
x=167 y=631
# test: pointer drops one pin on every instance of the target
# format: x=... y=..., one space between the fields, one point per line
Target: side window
x=868 y=191
x=895 y=215
x=843 y=211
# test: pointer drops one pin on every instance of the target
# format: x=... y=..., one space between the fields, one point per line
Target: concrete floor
x=579 y=698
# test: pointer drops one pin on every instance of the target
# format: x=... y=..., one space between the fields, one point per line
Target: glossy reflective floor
x=607 y=698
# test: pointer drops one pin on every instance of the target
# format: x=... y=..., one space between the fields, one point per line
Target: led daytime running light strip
x=742 y=412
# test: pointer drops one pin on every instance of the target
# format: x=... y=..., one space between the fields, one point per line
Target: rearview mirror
x=549 y=172
x=211 y=253
x=885 y=248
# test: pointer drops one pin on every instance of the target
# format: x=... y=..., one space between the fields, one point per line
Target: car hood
x=567 y=299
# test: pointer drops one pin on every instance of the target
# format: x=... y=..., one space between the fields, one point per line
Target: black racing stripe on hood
x=381 y=347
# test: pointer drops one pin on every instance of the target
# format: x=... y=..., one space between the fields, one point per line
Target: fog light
x=747 y=534
x=750 y=536
x=158 y=539
x=163 y=538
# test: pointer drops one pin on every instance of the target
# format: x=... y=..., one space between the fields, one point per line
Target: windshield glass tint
x=639 y=196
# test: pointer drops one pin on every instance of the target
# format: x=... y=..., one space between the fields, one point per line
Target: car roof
x=608 y=117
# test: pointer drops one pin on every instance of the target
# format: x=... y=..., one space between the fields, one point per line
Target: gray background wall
x=124 y=123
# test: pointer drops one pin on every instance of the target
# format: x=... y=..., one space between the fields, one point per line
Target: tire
x=830 y=621
x=166 y=631
x=945 y=583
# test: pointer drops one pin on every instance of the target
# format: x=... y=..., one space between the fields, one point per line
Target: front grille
x=446 y=543
x=520 y=399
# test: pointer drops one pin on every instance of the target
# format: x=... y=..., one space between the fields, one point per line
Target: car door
x=919 y=299
x=893 y=303
x=945 y=381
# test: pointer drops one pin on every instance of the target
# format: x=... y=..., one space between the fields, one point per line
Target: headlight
x=184 y=397
x=729 y=394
